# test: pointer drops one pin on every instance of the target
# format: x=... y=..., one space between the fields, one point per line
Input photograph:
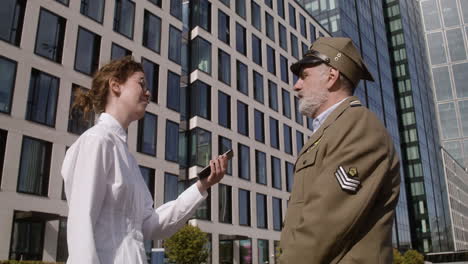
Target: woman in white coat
x=110 y=207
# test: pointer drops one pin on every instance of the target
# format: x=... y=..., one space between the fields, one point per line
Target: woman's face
x=134 y=95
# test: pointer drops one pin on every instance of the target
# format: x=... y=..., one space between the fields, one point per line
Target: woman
x=110 y=207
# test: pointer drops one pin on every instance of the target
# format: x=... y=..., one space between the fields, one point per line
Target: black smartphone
x=205 y=172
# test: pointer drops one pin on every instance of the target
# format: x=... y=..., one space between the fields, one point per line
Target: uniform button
x=304 y=162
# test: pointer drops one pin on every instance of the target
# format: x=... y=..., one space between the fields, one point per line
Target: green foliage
x=413 y=257
x=397 y=257
x=187 y=246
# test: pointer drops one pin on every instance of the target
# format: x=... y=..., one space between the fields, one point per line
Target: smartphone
x=205 y=172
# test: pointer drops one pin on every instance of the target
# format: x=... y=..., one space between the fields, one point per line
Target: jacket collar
x=328 y=121
x=114 y=125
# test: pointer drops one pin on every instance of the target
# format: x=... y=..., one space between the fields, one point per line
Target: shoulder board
x=355 y=103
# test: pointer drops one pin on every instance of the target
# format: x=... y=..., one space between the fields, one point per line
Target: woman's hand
x=218 y=168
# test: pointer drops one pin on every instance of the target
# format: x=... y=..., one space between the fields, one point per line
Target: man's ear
x=333 y=77
x=114 y=86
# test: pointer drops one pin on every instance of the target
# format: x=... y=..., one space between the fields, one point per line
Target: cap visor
x=308 y=60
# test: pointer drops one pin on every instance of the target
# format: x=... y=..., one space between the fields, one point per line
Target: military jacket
x=346 y=187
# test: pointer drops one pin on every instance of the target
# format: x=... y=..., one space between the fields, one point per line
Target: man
x=346 y=181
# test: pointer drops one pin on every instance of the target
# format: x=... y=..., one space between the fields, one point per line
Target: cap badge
x=338 y=56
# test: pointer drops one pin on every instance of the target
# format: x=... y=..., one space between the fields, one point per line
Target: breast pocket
x=307 y=159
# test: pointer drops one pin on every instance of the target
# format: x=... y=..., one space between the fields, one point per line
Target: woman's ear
x=114 y=86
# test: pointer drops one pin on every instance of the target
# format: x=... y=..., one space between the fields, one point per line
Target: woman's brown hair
x=95 y=99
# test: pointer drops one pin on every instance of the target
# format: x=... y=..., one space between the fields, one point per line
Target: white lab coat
x=110 y=206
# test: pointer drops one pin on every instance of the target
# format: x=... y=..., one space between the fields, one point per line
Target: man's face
x=311 y=89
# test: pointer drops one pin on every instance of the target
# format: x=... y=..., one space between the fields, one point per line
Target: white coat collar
x=114 y=125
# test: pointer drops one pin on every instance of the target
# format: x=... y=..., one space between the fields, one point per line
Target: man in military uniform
x=346 y=181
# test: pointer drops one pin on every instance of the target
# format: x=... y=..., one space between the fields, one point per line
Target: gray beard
x=308 y=106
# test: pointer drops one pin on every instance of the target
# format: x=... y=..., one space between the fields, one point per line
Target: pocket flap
x=307 y=159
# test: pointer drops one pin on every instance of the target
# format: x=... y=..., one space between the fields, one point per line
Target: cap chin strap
x=319 y=55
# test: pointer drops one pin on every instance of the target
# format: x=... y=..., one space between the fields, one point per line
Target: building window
x=282 y=37
x=313 y=36
x=263 y=251
x=87 y=51
x=201 y=55
x=256 y=50
x=203 y=211
x=303 y=24
x=42 y=98
x=284 y=69
x=202 y=14
x=34 y=166
x=77 y=122
x=298 y=114
x=299 y=141
x=448 y=121
x=224 y=69
x=171 y=187
x=277 y=214
x=12 y=12
x=226 y=246
x=289 y=176
x=224 y=110
x=173 y=91
x=244 y=162
x=294 y=46
x=310 y=120
x=175 y=44
x=27 y=237
x=62 y=246
x=276 y=172
x=271 y=60
x=124 y=16
x=152 y=77
x=156 y=2
x=286 y=103
x=227 y=3
x=292 y=16
x=225 y=144
x=304 y=49
x=93 y=9
x=3 y=138
x=461 y=79
x=240 y=8
x=245 y=251
x=200 y=99
x=270 y=26
x=258 y=87
x=272 y=95
x=172 y=141
x=223 y=27
x=7 y=83
x=241 y=41
x=200 y=142
x=152 y=32
x=262 y=214
x=255 y=15
x=176 y=9
x=260 y=167
x=225 y=204
x=50 y=36
x=274 y=136
x=118 y=51
x=148 y=177
x=242 y=78
x=259 y=126
x=244 y=207
x=242 y=118
x=287 y=139
x=280 y=7
x=147 y=134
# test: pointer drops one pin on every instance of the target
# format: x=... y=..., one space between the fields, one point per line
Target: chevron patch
x=346 y=182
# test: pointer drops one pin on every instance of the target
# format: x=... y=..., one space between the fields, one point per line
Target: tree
x=187 y=246
x=397 y=257
x=413 y=257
